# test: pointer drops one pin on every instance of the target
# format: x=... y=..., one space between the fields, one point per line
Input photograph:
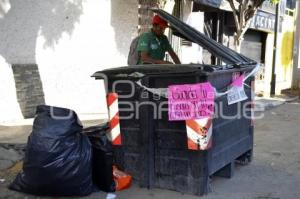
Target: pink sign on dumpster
x=191 y=101
x=238 y=81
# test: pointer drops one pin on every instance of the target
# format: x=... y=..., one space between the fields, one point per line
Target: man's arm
x=174 y=56
x=145 y=58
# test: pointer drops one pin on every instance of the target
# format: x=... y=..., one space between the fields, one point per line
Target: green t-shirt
x=155 y=46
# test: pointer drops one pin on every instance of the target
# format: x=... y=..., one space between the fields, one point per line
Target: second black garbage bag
x=102 y=157
x=58 y=156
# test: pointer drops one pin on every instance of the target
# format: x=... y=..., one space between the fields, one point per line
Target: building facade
x=258 y=40
x=50 y=49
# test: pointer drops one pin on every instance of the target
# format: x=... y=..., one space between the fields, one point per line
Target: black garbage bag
x=102 y=157
x=58 y=156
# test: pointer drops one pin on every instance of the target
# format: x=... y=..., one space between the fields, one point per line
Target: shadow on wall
x=124 y=20
x=21 y=24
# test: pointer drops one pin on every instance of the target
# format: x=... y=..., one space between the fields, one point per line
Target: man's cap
x=159 y=21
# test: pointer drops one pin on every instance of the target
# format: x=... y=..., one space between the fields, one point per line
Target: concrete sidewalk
x=274 y=172
x=263 y=103
x=18 y=131
x=268 y=131
x=14 y=135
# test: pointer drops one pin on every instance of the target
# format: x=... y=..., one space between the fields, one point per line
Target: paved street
x=273 y=174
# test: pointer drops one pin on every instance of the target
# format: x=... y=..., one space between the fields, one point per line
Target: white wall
x=9 y=107
x=69 y=40
x=192 y=54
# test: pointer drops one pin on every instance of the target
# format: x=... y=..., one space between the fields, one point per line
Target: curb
x=265 y=104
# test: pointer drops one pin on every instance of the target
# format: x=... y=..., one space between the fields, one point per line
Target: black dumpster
x=154 y=150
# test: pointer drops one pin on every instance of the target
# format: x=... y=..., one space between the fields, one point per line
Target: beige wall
x=284 y=59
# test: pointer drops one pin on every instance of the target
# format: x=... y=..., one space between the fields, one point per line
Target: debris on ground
x=9 y=156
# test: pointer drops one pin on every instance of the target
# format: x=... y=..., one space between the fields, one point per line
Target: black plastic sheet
x=58 y=156
x=102 y=157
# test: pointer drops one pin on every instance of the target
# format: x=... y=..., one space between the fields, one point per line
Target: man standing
x=153 y=45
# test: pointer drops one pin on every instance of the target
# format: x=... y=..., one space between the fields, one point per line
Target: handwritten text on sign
x=191 y=101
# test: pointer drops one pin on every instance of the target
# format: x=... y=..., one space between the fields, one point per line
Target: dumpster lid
x=152 y=69
x=185 y=31
x=159 y=69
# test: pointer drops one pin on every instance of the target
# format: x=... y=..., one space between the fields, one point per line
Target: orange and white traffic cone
x=199 y=133
x=122 y=179
x=114 y=121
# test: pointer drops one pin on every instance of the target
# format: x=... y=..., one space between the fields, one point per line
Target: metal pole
x=276 y=30
x=221 y=16
x=296 y=51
